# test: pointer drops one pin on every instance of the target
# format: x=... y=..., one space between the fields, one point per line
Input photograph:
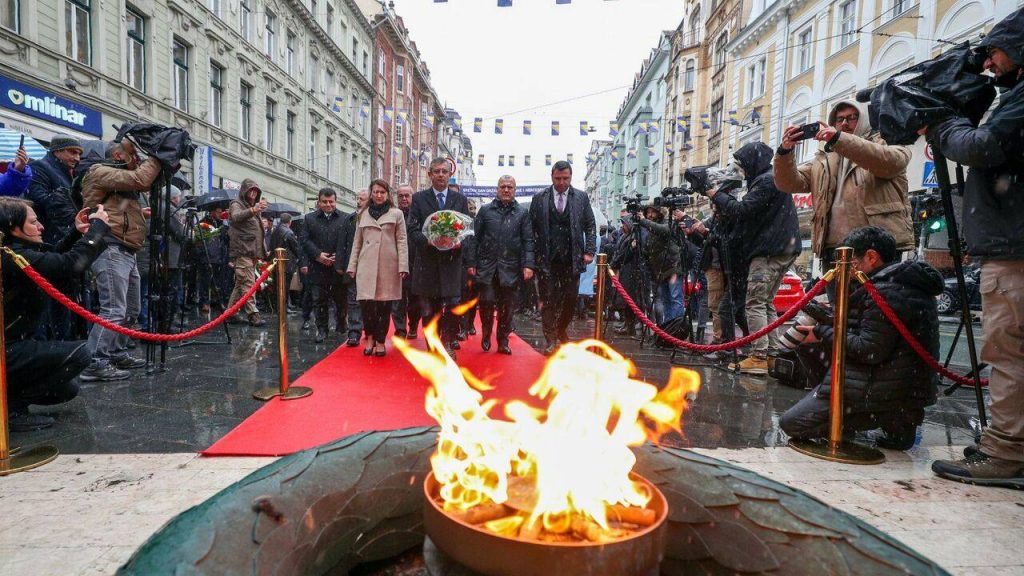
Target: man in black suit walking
x=565 y=242
x=437 y=276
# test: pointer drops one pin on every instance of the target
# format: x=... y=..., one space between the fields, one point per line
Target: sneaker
x=25 y=422
x=752 y=365
x=983 y=470
x=103 y=374
x=128 y=363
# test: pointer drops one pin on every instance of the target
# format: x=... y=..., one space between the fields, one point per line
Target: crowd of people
x=86 y=230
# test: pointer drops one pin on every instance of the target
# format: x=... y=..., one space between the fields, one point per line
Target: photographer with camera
x=770 y=242
x=117 y=185
x=245 y=247
x=663 y=262
x=887 y=384
x=993 y=216
x=42 y=372
x=857 y=180
x=629 y=262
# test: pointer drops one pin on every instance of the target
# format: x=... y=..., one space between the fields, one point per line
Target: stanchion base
x=296 y=392
x=22 y=460
x=267 y=393
x=845 y=452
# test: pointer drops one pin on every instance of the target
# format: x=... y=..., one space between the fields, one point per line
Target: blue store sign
x=46 y=106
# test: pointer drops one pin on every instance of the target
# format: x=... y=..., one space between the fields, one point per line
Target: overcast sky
x=500 y=62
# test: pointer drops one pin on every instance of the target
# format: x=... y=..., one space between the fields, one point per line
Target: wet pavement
x=207 y=390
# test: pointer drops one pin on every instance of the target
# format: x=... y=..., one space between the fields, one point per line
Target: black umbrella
x=215 y=198
x=275 y=209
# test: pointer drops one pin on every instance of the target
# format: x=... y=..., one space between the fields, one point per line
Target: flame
x=576 y=451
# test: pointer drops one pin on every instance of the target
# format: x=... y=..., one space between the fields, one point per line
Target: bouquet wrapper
x=446 y=229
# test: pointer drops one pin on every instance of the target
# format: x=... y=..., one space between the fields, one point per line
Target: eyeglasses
x=852 y=119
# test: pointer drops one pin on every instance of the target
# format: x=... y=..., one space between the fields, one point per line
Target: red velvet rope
x=793 y=310
x=77 y=309
x=905 y=333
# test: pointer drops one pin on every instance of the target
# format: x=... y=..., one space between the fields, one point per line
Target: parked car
x=949 y=301
x=790 y=292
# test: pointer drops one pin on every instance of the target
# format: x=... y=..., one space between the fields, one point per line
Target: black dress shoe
x=485 y=343
x=412 y=335
x=455 y=345
x=353 y=341
x=368 y=351
x=25 y=422
x=461 y=336
x=549 y=349
x=305 y=325
x=504 y=349
x=472 y=331
x=383 y=350
x=400 y=333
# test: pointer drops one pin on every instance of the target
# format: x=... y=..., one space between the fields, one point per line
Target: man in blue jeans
x=117 y=185
x=663 y=262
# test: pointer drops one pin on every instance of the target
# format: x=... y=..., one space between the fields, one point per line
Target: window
x=314 y=7
x=245 y=19
x=180 y=54
x=313 y=135
x=847 y=23
x=355 y=50
x=755 y=80
x=804 y=50
x=719 y=56
x=314 y=73
x=77 y=30
x=695 y=26
x=899 y=6
x=214 y=6
x=690 y=78
x=329 y=152
x=330 y=20
x=136 y=50
x=216 y=95
x=270 y=124
x=332 y=89
x=9 y=10
x=400 y=78
x=289 y=141
x=245 y=111
x=716 y=116
x=270 y=35
x=289 y=59
x=380 y=62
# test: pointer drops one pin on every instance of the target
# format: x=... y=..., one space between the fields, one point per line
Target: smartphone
x=21 y=143
x=809 y=131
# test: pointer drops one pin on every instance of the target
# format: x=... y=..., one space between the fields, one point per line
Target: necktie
x=561 y=202
x=440 y=201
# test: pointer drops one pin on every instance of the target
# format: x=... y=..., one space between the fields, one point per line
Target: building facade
x=407 y=112
x=277 y=90
x=596 y=183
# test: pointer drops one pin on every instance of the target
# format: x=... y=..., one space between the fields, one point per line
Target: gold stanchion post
x=283 y=390
x=834 y=448
x=14 y=460
x=602 y=278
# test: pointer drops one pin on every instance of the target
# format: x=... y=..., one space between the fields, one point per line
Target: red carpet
x=354 y=393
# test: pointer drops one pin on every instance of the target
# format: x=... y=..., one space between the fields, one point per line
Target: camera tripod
x=955 y=250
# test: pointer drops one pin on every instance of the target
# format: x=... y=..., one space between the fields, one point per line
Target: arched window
x=695 y=26
x=719 y=57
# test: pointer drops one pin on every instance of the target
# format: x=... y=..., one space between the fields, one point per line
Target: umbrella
x=9 y=140
x=275 y=209
x=215 y=198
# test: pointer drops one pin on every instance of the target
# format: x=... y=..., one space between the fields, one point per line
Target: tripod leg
x=952 y=347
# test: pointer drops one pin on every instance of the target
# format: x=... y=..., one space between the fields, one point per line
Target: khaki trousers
x=245 y=277
x=763 y=282
x=1002 y=300
x=716 y=289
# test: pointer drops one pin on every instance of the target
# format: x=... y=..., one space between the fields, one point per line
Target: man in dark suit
x=565 y=242
x=405 y=313
x=437 y=276
x=320 y=233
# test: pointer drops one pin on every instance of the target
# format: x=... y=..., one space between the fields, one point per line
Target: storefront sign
x=46 y=106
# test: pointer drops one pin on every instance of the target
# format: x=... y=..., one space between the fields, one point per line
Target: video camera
x=634 y=204
x=674 y=198
x=703 y=179
x=168 y=145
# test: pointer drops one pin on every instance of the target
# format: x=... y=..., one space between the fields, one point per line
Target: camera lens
x=792 y=338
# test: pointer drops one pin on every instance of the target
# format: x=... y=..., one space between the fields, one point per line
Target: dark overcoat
x=320 y=233
x=581 y=226
x=504 y=242
x=437 y=273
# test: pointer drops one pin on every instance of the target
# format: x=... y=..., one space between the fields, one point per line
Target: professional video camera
x=674 y=198
x=928 y=93
x=168 y=145
x=703 y=179
x=634 y=204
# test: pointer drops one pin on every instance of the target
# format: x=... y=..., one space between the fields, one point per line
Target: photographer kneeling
x=662 y=252
x=887 y=384
x=771 y=241
x=42 y=373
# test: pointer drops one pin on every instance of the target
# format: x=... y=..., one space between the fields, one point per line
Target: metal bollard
x=14 y=460
x=283 y=390
x=602 y=276
x=834 y=448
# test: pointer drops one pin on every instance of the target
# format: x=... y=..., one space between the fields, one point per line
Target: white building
x=275 y=88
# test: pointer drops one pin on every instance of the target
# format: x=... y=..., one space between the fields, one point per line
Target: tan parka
x=874 y=189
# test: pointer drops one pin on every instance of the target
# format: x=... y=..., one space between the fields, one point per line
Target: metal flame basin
x=493 y=555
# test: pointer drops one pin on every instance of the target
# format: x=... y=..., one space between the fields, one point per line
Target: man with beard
x=993 y=215
x=437 y=277
x=503 y=257
x=321 y=232
x=565 y=239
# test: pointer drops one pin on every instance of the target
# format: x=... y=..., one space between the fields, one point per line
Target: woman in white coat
x=379 y=262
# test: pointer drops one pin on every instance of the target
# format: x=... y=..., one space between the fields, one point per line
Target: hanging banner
x=202 y=166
